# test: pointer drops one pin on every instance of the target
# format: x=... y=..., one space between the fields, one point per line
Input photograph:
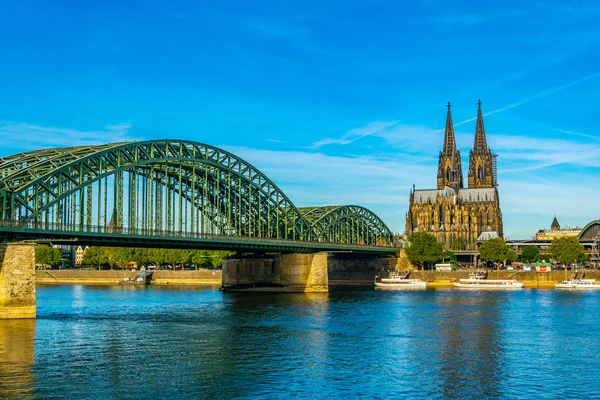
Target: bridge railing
x=76 y=229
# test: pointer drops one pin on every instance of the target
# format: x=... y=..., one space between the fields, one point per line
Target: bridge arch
x=348 y=224
x=139 y=187
x=591 y=232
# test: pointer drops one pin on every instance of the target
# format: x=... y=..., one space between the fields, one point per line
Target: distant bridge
x=169 y=193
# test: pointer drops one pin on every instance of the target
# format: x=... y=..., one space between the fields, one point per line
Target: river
x=115 y=342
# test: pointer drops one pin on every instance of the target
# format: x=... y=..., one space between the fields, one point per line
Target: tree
x=217 y=257
x=201 y=258
x=529 y=254
x=459 y=244
x=47 y=256
x=423 y=248
x=511 y=256
x=566 y=250
x=450 y=257
x=95 y=256
x=493 y=250
x=177 y=256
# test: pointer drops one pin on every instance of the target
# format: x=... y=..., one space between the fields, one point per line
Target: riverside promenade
x=113 y=277
x=336 y=279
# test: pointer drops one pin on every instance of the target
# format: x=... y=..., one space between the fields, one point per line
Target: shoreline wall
x=356 y=273
x=113 y=277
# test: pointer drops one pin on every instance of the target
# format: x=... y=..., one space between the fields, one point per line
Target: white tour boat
x=578 y=281
x=399 y=281
x=578 y=284
x=479 y=280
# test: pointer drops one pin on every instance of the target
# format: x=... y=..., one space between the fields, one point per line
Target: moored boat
x=585 y=284
x=578 y=281
x=479 y=280
x=399 y=281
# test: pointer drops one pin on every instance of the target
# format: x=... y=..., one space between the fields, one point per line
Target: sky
x=337 y=102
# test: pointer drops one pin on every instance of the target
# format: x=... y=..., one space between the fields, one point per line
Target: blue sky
x=338 y=102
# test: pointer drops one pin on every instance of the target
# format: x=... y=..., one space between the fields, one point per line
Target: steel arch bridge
x=165 y=188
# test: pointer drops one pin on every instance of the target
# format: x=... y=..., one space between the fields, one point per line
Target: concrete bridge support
x=282 y=273
x=355 y=270
x=17 y=280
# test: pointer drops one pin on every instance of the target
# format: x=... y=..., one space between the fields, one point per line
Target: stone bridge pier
x=17 y=280
x=296 y=272
x=306 y=272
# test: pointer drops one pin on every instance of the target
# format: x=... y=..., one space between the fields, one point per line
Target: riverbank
x=538 y=280
x=113 y=277
x=336 y=279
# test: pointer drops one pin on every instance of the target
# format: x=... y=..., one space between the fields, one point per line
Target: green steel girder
x=43 y=181
x=170 y=186
x=348 y=224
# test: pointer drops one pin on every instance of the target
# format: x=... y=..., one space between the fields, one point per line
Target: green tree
x=95 y=256
x=511 y=256
x=423 y=249
x=157 y=256
x=141 y=256
x=201 y=259
x=529 y=254
x=177 y=257
x=47 y=256
x=459 y=244
x=566 y=250
x=450 y=257
x=217 y=257
x=584 y=258
x=493 y=250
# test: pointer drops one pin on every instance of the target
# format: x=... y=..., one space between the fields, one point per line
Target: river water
x=115 y=342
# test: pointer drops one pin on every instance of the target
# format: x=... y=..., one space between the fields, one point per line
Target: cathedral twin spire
x=481 y=160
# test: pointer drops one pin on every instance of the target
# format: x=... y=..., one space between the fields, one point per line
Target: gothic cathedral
x=450 y=211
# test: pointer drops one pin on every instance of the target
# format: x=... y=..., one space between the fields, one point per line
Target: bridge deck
x=182 y=240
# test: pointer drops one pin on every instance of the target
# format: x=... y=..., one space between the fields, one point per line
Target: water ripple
x=114 y=343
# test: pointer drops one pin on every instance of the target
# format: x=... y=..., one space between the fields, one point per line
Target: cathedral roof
x=487 y=235
x=477 y=194
x=466 y=195
x=423 y=196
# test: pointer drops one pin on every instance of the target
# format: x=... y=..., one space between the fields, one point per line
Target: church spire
x=555 y=225
x=449 y=141
x=480 y=145
x=482 y=167
x=449 y=166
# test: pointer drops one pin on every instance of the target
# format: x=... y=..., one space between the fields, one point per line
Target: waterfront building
x=79 y=253
x=451 y=211
x=556 y=231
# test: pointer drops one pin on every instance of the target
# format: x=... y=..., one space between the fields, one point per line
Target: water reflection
x=16 y=357
x=266 y=328
x=470 y=345
x=201 y=343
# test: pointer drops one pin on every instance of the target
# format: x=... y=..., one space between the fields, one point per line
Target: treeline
x=121 y=257
x=424 y=250
x=48 y=256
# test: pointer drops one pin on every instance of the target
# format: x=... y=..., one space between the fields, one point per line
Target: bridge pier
x=296 y=272
x=17 y=280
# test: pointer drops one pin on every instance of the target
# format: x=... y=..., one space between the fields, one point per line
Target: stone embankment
x=199 y=277
x=362 y=276
x=446 y=279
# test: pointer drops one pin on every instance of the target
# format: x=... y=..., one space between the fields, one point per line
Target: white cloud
x=355 y=134
x=382 y=184
x=31 y=136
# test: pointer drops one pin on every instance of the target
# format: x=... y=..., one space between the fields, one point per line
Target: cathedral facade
x=451 y=211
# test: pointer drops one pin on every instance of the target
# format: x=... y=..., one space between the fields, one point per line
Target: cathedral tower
x=482 y=166
x=449 y=166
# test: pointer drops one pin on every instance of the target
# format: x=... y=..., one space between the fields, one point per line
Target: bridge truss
x=166 y=187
